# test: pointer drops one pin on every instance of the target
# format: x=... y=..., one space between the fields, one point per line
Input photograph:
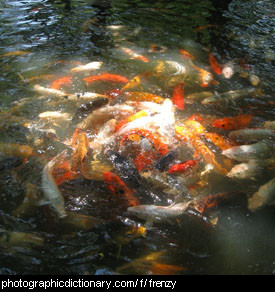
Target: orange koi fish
x=183 y=167
x=143 y=96
x=205 y=76
x=200 y=148
x=107 y=77
x=164 y=269
x=196 y=117
x=134 y=55
x=15 y=53
x=144 y=160
x=131 y=118
x=155 y=139
x=136 y=81
x=117 y=187
x=195 y=126
x=223 y=143
x=186 y=55
x=178 y=96
x=63 y=81
x=215 y=66
x=112 y=94
x=63 y=173
x=233 y=123
x=80 y=146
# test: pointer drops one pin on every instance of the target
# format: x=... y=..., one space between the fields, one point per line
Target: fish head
x=58 y=209
x=222 y=124
x=139 y=211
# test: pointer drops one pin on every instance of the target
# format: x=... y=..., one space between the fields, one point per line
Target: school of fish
x=135 y=134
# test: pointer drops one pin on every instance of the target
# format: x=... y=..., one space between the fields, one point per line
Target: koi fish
x=233 y=123
x=223 y=143
x=152 y=213
x=231 y=95
x=59 y=93
x=178 y=96
x=87 y=67
x=201 y=148
x=131 y=118
x=63 y=81
x=143 y=96
x=164 y=269
x=136 y=81
x=183 y=167
x=15 y=53
x=80 y=146
x=205 y=76
x=186 y=55
x=113 y=94
x=102 y=115
x=199 y=95
x=134 y=55
x=27 y=207
x=50 y=189
x=195 y=126
x=260 y=150
x=54 y=115
x=63 y=173
x=117 y=187
x=155 y=139
x=263 y=197
x=18 y=239
x=247 y=170
x=252 y=134
x=106 y=77
x=215 y=66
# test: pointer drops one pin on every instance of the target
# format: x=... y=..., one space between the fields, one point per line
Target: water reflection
x=97 y=235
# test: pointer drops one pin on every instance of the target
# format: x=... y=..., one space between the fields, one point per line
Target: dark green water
x=240 y=31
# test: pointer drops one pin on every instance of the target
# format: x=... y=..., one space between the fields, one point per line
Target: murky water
x=46 y=40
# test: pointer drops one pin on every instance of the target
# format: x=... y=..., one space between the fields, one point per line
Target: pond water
x=41 y=42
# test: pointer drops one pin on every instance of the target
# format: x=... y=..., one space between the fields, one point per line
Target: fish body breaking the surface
x=244 y=135
x=87 y=67
x=158 y=213
x=265 y=196
x=59 y=93
x=247 y=170
x=51 y=192
x=260 y=150
x=227 y=96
